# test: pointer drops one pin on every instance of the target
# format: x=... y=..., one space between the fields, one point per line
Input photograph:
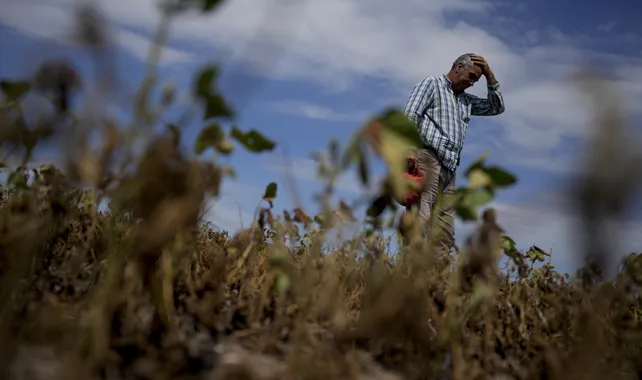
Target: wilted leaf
x=345 y=211
x=14 y=90
x=253 y=140
x=500 y=177
x=321 y=220
x=301 y=217
x=229 y=171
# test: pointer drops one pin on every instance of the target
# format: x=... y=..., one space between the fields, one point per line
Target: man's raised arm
x=493 y=104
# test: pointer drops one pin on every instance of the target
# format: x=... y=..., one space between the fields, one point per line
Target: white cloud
x=560 y=164
x=307 y=169
x=555 y=227
x=607 y=26
x=55 y=22
x=315 y=111
x=230 y=210
x=336 y=43
x=139 y=46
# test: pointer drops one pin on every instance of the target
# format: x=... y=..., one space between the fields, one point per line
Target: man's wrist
x=490 y=79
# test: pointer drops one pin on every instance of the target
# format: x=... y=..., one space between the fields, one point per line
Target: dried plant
x=107 y=270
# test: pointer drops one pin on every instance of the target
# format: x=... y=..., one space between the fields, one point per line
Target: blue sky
x=304 y=72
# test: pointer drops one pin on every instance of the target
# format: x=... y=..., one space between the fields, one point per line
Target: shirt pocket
x=464 y=112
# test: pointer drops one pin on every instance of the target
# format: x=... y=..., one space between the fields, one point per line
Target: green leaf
x=270 y=192
x=532 y=255
x=466 y=213
x=215 y=105
x=14 y=90
x=396 y=121
x=478 y=164
x=478 y=178
x=209 y=5
x=355 y=153
x=225 y=147
x=204 y=81
x=282 y=283
x=17 y=180
x=175 y=132
x=210 y=137
x=253 y=140
x=508 y=240
x=481 y=293
x=477 y=198
x=509 y=246
x=500 y=177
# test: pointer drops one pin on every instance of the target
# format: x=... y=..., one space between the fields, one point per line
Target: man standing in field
x=441 y=110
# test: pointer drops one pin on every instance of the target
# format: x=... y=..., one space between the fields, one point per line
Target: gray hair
x=465 y=60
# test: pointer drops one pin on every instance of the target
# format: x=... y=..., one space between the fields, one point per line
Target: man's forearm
x=490 y=79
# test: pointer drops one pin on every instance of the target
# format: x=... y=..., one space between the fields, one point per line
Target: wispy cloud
x=346 y=45
x=315 y=111
x=57 y=22
x=234 y=208
x=344 y=41
x=307 y=169
x=607 y=26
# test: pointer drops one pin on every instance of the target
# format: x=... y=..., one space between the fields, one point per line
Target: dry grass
x=146 y=291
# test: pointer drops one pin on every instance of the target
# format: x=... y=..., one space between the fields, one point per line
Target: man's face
x=466 y=77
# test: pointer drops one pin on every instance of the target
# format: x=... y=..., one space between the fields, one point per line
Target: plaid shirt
x=442 y=117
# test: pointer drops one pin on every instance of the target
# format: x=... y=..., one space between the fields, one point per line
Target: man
x=441 y=110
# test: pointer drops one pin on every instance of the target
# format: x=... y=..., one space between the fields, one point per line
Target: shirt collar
x=448 y=83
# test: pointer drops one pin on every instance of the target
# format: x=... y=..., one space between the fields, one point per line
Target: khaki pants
x=437 y=179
